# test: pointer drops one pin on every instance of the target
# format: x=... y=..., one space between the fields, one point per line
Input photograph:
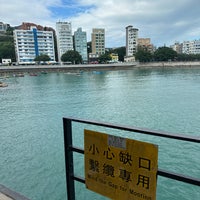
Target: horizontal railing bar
x=179 y=177
x=161 y=172
x=76 y=149
x=166 y=174
x=188 y=138
x=79 y=179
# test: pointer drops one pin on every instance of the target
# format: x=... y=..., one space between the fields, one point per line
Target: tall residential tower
x=32 y=43
x=80 y=43
x=131 y=40
x=64 y=38
x=98 y=41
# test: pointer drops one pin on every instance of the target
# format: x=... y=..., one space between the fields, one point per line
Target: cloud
x=34 y=11
x=163 y=21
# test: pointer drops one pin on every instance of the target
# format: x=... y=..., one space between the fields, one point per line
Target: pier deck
x=8 y=194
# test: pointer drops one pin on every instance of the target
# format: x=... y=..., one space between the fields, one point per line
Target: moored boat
x=43 y=72
x=3 y=84
x=33 y=74
x=18 y=75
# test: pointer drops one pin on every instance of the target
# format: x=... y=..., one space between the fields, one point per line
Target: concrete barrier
x=7 y=194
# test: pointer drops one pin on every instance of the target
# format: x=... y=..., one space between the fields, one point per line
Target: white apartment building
x=64 y=38
x=80 y=43
x=32 y=43
x=187 y=47
x=131 y=40
x=98 y=41
x=196 y=49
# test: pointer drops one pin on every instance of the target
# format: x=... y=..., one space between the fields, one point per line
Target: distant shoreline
x=91 y=67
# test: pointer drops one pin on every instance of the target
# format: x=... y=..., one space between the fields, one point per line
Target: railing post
x=69 y=166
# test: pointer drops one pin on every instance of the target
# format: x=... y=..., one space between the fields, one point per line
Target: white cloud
x=36 y=11
x=162 y=21
x=158 y=19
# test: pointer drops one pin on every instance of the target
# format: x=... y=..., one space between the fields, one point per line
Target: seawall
x=65 y=68
x=92 y=67
x=170 y=64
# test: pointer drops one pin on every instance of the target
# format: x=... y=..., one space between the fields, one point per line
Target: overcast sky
x=164 y=21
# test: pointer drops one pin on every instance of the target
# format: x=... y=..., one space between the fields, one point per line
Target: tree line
x=164 y=54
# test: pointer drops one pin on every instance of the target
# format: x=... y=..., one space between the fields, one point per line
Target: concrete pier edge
x=93 y=67
x=8 y=194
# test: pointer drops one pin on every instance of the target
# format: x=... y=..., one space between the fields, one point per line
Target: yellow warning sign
x=120 y=168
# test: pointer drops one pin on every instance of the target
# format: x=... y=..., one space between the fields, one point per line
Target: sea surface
x=31 y=126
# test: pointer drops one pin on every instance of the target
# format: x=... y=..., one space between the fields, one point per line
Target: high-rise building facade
x=178 y=47
x=145 y=44
x=191 y=47
x=64 y=38
x=131 y=40
x=98 y=41
x=80 y=43
x=32 y=43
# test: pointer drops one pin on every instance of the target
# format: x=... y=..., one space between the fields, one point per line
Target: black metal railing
x=69 y=149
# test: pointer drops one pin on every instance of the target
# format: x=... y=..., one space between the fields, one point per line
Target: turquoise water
x=31 y=131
